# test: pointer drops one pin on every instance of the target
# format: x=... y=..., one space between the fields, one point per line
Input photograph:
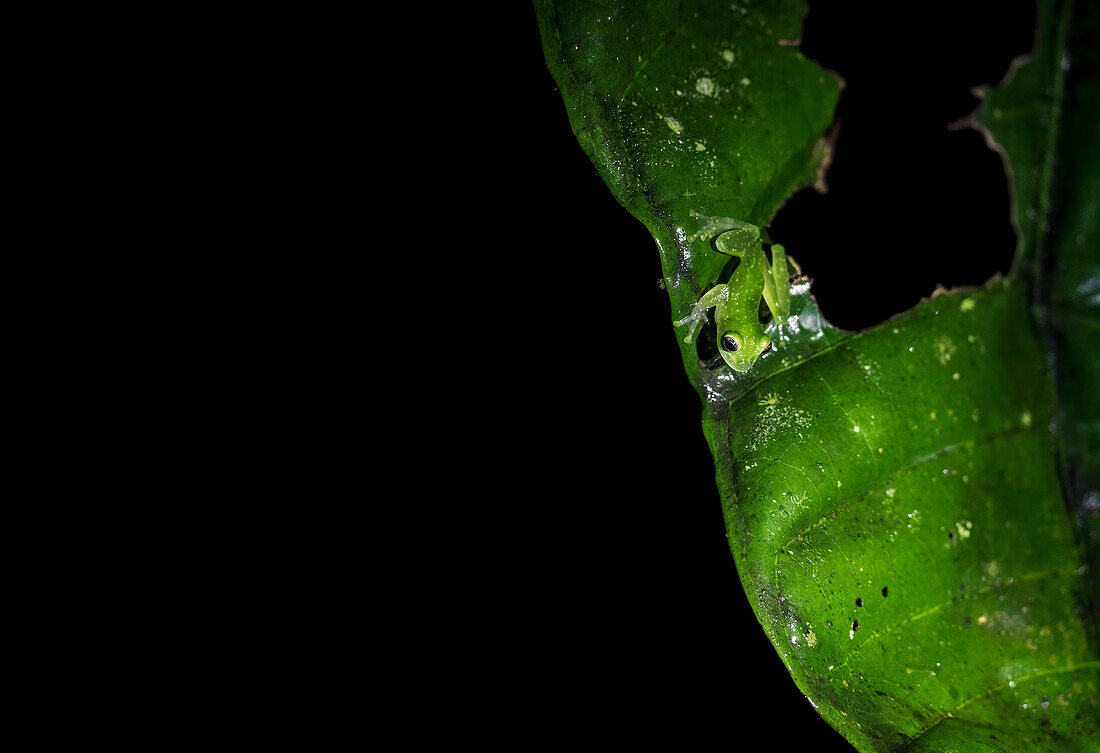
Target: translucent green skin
x=741 y=336
x=738 y=318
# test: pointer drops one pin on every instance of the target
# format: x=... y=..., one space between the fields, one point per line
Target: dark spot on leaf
x=859 y=601
x=885 y=591
x=879 y=692
x=829 y=623
x=950 y=534
x=855 y=624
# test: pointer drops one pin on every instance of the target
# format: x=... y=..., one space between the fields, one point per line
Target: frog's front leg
x=777 y=285
x=716 y=296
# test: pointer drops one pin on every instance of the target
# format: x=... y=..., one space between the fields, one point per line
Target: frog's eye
x=729 y=342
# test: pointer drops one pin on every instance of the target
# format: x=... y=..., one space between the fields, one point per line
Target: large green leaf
x=893 y=497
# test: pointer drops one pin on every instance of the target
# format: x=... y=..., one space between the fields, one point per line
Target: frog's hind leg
x=777 y=286
x=782 y=279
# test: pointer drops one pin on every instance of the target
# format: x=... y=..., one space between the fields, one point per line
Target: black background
x=633 y=583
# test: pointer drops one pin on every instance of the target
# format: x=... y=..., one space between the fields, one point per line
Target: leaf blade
x=979 y=397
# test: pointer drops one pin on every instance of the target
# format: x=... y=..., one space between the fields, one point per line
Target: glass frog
x=741 y=337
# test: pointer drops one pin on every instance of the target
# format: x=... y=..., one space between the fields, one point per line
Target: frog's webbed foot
x=693 y=321
x=716 y=296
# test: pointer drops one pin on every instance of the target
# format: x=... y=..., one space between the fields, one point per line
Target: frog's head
x=741 y=349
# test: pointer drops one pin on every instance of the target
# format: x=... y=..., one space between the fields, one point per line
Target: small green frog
x=741 y=338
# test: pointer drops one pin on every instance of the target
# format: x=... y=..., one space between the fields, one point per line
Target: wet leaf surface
x=893 y=497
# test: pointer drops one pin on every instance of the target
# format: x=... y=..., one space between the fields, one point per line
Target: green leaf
x=675 y=103
x=1070 y=274
x=904 y=477
x=1046 y=121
